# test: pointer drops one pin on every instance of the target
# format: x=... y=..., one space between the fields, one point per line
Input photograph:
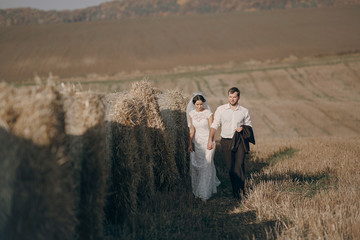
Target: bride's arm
x=210 y=144
x=191 y=135
x=211 y=120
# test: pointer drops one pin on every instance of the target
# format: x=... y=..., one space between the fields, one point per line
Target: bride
x=202 y=168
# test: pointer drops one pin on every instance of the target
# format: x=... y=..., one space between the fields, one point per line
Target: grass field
x=81 y=49
x=309 y=97
x=304 y=101
x=297 y=189
x=302 y=174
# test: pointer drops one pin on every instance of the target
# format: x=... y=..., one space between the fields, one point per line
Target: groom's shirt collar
x=228 y=106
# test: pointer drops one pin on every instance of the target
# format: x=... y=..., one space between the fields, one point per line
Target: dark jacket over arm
x=244 y=137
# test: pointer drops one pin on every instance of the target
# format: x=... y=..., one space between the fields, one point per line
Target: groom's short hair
x=233 y=90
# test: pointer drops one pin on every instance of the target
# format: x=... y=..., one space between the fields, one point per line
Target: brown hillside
x=288 y=99
x=120 y=9
x=79 y=49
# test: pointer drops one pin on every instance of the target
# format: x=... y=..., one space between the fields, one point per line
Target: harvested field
x=128 y=46
x=297 y=189
x=290 y=98
x=305 y=114
x=311 y=190
x=282 y=169
x=302 y=175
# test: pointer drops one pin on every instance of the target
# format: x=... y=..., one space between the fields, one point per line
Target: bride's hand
x=190 y=148
x=210 y=145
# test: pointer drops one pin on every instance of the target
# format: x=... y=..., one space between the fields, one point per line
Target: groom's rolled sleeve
x=217 y=120
x=247 y=120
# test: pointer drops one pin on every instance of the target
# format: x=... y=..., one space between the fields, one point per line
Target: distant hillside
x=119 y=9
x=163 y=44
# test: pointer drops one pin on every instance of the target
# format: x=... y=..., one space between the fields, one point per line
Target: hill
x=157 y=43
x=136 y=9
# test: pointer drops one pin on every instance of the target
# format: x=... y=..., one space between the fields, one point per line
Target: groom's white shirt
x=230 y=119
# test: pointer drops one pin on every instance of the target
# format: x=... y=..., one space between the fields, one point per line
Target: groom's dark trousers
x=235 y=163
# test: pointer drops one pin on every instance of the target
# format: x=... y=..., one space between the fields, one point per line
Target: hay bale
x=129 y=148
x=125 y=169
x=41 y=208
x=109 y=101
x=9 y=162
x=172 y=105
x=7 y=114
x=141 y=156
x=146 y=187
x=40 y=115
x=42 y=203
x=165 y=170
x=85 y=129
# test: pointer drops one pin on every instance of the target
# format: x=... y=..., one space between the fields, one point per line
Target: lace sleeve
x=208 y=114
x=191 y=114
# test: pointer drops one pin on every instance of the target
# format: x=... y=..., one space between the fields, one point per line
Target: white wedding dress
x=202 y=169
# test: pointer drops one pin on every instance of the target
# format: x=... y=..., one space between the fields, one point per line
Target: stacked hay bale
x=52 y=160
x=172 y=105
x=85 y=129
x=165 y=170
x=124 y=157
x=141 y=148
x=130 y=153
x=39 y=202
x=8 y=160
x=146 y=187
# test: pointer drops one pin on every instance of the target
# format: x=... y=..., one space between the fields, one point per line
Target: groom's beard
x=235 y=104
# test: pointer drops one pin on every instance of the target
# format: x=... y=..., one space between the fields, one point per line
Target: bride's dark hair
x=197 y=98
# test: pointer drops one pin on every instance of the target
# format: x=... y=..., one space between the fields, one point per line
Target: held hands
x=210 y=145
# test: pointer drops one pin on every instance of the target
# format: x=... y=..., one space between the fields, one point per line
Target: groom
x=236 y=133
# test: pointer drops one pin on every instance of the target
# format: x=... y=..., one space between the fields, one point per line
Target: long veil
x=191 y=106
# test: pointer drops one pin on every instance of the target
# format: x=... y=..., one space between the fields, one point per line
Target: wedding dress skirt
x=202 y=168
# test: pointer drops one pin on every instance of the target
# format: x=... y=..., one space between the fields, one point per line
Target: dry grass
x=314 y=194
x=302 y=174
x=299 y=187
